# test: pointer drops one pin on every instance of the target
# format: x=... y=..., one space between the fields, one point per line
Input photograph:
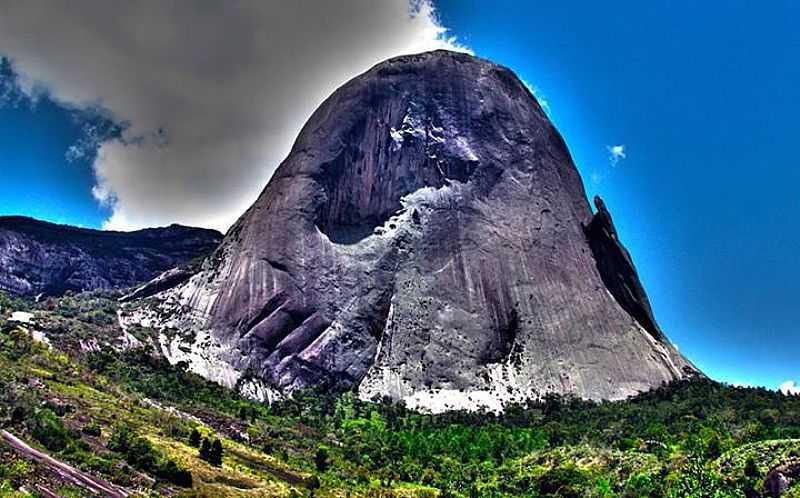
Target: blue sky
x=703 y=98
x=38 y=178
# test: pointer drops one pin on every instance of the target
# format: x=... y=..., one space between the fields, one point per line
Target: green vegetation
x=211 y=452
x=140 y=454
x=157 y=429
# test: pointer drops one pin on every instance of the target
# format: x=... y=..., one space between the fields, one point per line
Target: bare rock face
x=429 y=239
x=37 y=257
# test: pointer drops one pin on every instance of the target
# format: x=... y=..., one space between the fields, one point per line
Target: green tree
x=205 y=450
x=321 y=459
x=195 y=438
x=215 y=457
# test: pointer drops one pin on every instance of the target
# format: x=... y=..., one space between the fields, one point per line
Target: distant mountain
x=37 y=257
x=428 y=238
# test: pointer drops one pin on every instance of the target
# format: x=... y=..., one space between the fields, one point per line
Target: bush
x=47 y=428
x=18 y=414
x=119 y=441
x=175 y=474
x=563 y=482
x=92 y=429
x=17 y=343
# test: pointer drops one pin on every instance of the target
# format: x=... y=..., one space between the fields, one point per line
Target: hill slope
x=124 y=416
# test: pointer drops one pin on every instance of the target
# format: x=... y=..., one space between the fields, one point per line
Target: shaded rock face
x=428 y=238
x=37 y=257
x=617 y=271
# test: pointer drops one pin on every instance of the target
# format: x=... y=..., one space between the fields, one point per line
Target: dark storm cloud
x=213 y=94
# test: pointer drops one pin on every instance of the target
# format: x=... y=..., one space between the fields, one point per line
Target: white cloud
x=214 y=94
x=790 y=387
x=616 y=153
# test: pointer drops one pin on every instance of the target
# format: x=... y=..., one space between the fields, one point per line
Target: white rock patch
x=258 y=391
x=22 y=317
x=41 y=337
x=205 y=357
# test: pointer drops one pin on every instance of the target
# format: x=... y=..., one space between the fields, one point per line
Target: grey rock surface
x=38 y=257
x=428 y=238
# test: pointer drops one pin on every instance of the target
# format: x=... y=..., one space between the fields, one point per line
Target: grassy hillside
x=131 y=418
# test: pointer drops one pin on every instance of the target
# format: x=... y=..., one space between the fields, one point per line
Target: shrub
x=562 y=482
x=119 y=441
x=47 y=428
x=175 y=474
x=18 y=414
x=92 y=429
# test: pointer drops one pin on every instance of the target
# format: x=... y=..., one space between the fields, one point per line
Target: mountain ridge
x=40 y=257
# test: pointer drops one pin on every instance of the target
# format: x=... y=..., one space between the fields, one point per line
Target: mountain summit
x=428 y=238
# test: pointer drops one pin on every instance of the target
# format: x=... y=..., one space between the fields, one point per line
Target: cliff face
x=428 y=238
x=37 y=257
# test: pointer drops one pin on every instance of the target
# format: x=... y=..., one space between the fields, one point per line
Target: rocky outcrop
x=165 y=281
x=37 y=257
x=781 y=477
x=428 y=238
x=617 y=271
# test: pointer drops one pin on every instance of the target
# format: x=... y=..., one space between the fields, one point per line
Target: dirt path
x=63 y=470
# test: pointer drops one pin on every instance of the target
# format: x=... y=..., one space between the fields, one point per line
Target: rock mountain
x=38 y=257
x=428 y=238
